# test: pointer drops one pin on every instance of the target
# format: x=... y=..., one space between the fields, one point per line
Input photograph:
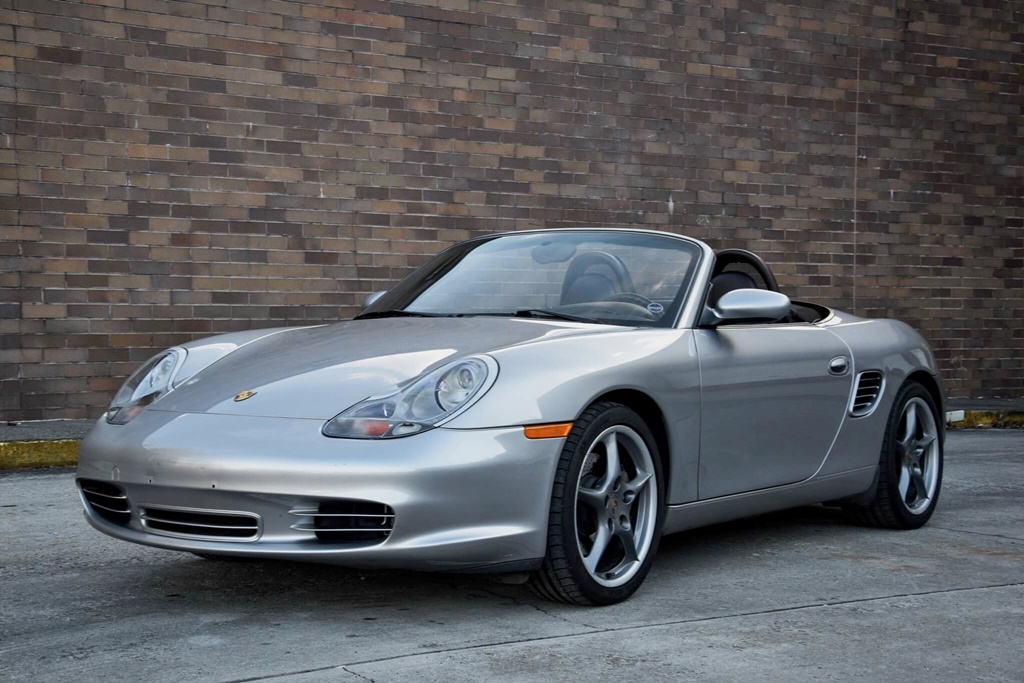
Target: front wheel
x=606 y=510
x=910 y=466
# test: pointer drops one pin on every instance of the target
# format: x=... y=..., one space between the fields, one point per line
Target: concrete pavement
x=795 y=596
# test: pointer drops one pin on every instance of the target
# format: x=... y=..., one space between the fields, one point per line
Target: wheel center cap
x=614 y=504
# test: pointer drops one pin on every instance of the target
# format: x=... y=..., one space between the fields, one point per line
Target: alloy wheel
x=616 y=506
x=917 y=454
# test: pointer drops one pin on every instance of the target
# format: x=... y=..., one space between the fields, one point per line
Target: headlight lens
x=423 y=404
x=146 y=385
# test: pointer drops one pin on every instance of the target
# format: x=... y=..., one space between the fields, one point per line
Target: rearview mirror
x=748 y=306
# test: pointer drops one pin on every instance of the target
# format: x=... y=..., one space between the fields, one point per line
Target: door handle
x=839 y=366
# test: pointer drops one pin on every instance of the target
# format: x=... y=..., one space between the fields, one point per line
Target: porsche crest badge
x=248 y=393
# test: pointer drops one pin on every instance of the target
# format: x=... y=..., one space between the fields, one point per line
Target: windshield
x=620 y=278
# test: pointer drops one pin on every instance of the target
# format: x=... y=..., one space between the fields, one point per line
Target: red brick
x=217 y=168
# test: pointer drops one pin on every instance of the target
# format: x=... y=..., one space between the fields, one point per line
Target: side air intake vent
x=865 y=395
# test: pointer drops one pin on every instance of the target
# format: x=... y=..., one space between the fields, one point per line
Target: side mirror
x=373 y=296
x=748 y=306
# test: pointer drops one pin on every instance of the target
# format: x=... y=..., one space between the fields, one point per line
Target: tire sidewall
x=574 y=453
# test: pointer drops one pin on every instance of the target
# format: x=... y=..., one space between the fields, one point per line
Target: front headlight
x=426 y=402
x=145 y=386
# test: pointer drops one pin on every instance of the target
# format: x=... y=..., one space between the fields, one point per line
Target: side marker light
x=555 y=431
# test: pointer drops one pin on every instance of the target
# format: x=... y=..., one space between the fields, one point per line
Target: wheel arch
x=931 y=385
x=650 y=412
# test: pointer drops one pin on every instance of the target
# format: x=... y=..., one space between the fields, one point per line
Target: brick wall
x=171 y=170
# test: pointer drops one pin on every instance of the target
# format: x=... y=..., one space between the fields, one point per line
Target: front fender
x=555 y=380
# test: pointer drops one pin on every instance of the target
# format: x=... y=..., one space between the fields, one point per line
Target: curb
x=41 y=453
x=15 y=455
x=990 y=419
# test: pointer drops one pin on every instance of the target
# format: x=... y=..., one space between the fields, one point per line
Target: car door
x=772 y=400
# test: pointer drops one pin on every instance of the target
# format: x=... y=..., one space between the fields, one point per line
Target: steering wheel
x=605 y=308
x=631 y=298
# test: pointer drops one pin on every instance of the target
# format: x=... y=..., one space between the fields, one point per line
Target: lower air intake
x=107 y=500
x=347 y=521
x=220 y=525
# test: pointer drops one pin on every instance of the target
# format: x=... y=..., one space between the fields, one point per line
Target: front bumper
x=463 y=500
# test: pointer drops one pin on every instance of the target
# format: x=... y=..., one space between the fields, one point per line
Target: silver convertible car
x=543 y=404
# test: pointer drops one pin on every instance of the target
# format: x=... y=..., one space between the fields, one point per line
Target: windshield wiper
x=398 y=314
x=548 y=313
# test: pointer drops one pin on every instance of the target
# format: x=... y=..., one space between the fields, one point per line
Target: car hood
x=316 y=372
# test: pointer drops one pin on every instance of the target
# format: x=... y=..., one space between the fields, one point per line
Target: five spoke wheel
x=917 y=452
x=910 y=465
x=606 y=509
x=616 y=508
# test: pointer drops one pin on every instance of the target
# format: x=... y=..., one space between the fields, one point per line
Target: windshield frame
x=399 y=297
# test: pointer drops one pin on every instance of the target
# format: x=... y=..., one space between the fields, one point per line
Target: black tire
x=906 y=448
x=618 y=509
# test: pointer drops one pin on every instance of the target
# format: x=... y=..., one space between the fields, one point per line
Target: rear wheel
x=606 y=510
x=910 y=466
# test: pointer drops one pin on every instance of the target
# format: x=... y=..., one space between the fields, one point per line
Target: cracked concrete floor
x=795 y=596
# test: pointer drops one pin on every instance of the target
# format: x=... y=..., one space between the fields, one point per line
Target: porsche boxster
x=544 y=404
